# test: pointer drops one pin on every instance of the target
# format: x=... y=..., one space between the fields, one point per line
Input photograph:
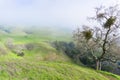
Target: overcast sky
x=49 y=12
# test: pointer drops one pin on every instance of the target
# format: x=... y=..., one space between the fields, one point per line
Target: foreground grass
x=43 y=70
x=43 y=62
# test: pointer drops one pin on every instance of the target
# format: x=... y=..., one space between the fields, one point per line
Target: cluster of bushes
x=5 y=29
x=18 y=49
x=79 y=57
x=74 y=53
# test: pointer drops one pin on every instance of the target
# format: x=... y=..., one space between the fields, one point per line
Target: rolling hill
x=26 y=54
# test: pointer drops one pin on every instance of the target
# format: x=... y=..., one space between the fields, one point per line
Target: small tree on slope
x=100 y=39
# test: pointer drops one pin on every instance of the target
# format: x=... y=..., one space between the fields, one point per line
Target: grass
x=110 y=75
x=46 y=70
x=43 y=62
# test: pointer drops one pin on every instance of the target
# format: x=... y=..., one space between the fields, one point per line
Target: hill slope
x=43 y=62
x=21 y=70
x=39 y=60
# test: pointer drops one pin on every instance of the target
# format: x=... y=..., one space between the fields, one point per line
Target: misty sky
x=48 y=12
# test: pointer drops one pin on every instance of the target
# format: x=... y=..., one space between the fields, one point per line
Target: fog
x=48 y=12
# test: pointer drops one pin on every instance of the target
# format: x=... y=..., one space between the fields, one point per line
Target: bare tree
x=100 y=39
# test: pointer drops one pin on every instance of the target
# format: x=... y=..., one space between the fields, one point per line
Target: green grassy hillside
x=42 y=70
x=39 y=60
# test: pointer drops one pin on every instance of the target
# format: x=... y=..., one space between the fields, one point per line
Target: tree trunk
x=98 y=65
